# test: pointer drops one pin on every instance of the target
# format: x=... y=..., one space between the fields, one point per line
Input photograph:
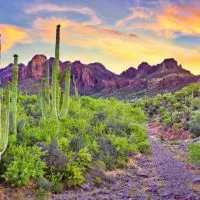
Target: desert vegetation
x=51 y=139
x=177 y=116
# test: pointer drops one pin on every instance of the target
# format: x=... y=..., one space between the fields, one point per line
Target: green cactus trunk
x=65 y=104
x=14 y=96
x=43 y=98
x=55 y=74
x=47 y=85
x=76 y=93
x=5 y=108
x=1 y=128
x=58 y=96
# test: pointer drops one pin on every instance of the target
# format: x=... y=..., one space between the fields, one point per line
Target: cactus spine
x=4 y=127
x=65 y=104
x=55 y=73
x=14 y=96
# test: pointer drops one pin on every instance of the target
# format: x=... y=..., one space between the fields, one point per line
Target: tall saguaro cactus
x=13 y=114
x=56 y=98
x=55 y=73
x=4 y=117
x=47 y=85
x=65 y=104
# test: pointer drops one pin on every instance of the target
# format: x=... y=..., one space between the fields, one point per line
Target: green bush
x=23 y=164
x=195 y=124
x=196 y=103
x=74 y=175
x=194 y=153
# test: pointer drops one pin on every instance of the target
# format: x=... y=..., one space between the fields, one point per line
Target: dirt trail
x=176 y=177
x=179 y=181
x=160 y=176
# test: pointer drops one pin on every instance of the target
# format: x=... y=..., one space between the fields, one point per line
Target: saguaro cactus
x=13 y=114
x=76 y=94
x=4 y=116
x=65 y=104
x=43 y=98
x=47 y=85
x=55 y=73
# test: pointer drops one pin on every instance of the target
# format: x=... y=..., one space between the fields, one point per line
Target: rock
x=86 y=187
x=196 y=180
x=153 y=188
x=142 y=174
x=129 y=73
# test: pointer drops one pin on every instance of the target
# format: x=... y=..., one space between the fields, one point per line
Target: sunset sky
x=117 y=33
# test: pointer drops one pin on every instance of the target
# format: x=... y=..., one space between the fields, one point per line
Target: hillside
x=95 y=80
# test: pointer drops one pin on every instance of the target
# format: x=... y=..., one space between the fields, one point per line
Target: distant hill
x=95 y=80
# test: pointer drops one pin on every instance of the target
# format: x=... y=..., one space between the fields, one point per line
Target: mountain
x=94 y=79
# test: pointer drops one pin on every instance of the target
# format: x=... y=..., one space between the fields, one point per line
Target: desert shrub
x=176 y=127
x=196 y=103
x=55 y=160
x=122 y=144
x=139 y=134
x=194 y=153
x=23 y=163
x=177 y=105
x=84 y=159
x=45 y=131
x=74 y=175
x=144 y=146
x=195 y=124
x=108 y=153
x=186 y=125
x=167 y=121
x=177 y=116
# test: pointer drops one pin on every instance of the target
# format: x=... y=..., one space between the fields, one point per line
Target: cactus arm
x=6 y=110
x=43 y=98
x=65 y=105
x=58 y=96
x=47 y=85
x=76 y=93
x=0 y=117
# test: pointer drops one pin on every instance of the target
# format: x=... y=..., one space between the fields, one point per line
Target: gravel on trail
x=177 y=178
x=160 y=176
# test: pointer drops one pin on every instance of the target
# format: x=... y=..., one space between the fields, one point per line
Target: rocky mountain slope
x=94 y=79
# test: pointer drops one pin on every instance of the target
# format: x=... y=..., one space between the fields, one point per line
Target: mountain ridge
x=95 y=78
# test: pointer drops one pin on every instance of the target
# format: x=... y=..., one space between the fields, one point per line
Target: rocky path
x=160 y=176
x=177 y=178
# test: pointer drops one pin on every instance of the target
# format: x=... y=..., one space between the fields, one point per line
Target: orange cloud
x=183 y=19
x=129 y=49
x=12 y=35
x=171 y=20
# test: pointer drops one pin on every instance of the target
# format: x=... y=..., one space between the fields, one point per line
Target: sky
x=117 y=33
